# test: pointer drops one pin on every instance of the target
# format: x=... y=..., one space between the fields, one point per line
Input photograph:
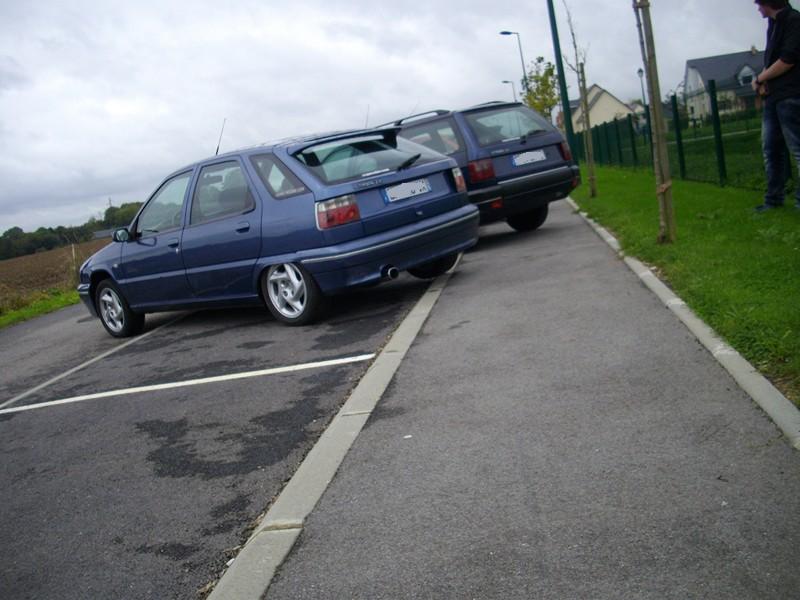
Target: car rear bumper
x=366 y=260
x=85 y=296
x=522 y=194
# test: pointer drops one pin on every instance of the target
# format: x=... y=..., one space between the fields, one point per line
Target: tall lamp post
x=513 y=88
x=524 y=71
x=647 y=131
x=640 y=72
x=562 y=82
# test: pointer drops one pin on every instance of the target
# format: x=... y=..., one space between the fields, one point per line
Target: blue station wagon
x=514 y=160
x=284 y=224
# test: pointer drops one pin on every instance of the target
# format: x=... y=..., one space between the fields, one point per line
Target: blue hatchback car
x=514 y=160
x=283 y=224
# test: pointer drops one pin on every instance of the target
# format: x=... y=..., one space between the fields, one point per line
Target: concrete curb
x=251 y=572
x=784 y=414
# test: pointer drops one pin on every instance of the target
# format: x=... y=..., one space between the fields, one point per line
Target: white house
x=732 y=74
x=603 y=108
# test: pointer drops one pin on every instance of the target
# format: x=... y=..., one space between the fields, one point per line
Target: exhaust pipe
x=390 y=272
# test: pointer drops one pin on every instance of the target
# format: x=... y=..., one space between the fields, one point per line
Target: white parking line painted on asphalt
x=41 y=386
x=190 y=382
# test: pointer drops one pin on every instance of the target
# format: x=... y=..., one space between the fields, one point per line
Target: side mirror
x=121 y=235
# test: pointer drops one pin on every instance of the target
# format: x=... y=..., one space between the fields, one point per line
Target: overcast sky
x=101 y=100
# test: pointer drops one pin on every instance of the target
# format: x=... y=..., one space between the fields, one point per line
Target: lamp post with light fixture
x=648 y=134
x=513 y=88
x=524 y=70
x=640 y=73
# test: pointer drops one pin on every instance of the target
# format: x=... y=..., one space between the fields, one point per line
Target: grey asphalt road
x=555 y=432
x=147 y=495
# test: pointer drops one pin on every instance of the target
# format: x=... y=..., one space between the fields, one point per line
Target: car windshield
x=505 y=124
x=363 y=156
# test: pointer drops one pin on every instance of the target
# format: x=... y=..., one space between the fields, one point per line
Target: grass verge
x=38 y=305
x=739 y=271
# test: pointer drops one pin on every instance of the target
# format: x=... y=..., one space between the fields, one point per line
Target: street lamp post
x=524 y=71
x=562 y=81
x=648 y=133
x=640 y=72
x=513 y=88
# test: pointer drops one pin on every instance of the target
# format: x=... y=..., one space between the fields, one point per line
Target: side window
x=439 y=136
x=164 y=211
x=221 y=191
x=280 y=182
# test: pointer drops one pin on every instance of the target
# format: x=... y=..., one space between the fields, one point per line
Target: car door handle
x=173 y=243
x=243 y=226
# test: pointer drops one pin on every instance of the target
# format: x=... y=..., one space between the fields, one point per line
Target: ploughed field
x=28 y=278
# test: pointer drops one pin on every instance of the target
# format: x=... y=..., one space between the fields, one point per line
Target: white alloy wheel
x=287 y=290
x=111 y=310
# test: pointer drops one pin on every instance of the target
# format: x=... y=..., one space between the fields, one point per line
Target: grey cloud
x=11 y=74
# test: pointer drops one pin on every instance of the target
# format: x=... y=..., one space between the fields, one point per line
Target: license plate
x=408 y=189
x=527 y=158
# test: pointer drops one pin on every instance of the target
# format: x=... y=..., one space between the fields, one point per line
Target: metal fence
x=723 y=147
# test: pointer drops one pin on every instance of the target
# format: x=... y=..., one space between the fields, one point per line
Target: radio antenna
x=220 y=135
x=366 y=121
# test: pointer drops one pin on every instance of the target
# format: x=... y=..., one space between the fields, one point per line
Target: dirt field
x=27 y=277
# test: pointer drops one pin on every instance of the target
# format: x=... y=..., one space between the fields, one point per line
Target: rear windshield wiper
x=408 y=162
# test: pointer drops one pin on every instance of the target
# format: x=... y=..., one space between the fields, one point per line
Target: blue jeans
x=780 y=128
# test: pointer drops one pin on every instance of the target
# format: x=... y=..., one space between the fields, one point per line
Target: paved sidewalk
x=555 y=432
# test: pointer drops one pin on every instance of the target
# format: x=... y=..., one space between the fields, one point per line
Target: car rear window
x=505 y=124
x=439 y=136
x=363 y=156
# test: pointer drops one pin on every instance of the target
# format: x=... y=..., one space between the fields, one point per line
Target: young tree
x=542 y=94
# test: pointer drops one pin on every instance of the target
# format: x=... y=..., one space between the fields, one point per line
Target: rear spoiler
x=388 y=133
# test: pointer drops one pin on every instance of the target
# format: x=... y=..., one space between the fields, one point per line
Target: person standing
x=779 y=85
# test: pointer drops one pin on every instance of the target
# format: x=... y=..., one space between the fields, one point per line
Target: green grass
x=40 y=305
x=739 y=271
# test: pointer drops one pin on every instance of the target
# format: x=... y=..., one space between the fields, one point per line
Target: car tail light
x=481 y=170
x=565 y=151
x=461 y=185
x=337 y=211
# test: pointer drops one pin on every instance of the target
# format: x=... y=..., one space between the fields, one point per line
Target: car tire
x=434 y=268
x=528 y=221
x=115 y=314
x=291 y=294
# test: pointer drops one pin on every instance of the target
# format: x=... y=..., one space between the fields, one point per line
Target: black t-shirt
x=783 y=41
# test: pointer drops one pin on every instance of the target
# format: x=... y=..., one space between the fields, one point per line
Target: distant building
x=732 y=73
x=603 y=108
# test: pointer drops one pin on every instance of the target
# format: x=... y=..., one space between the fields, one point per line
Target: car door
x=152 y=268
x=223 y=237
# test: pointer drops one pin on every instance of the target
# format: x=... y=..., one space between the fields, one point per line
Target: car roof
x=434 y=114
x=292 y=143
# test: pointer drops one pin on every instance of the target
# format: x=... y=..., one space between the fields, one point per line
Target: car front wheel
x=528 y=221
x=434 y=268
x=115 y=314
x=291 y=294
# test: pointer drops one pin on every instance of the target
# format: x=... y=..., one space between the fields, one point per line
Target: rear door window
x=505 y=124
x=279 y=180
x=363 y=156
x=440 y=136
x=221 y=191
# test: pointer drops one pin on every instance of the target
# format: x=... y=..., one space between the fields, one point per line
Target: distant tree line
x=15 y=242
